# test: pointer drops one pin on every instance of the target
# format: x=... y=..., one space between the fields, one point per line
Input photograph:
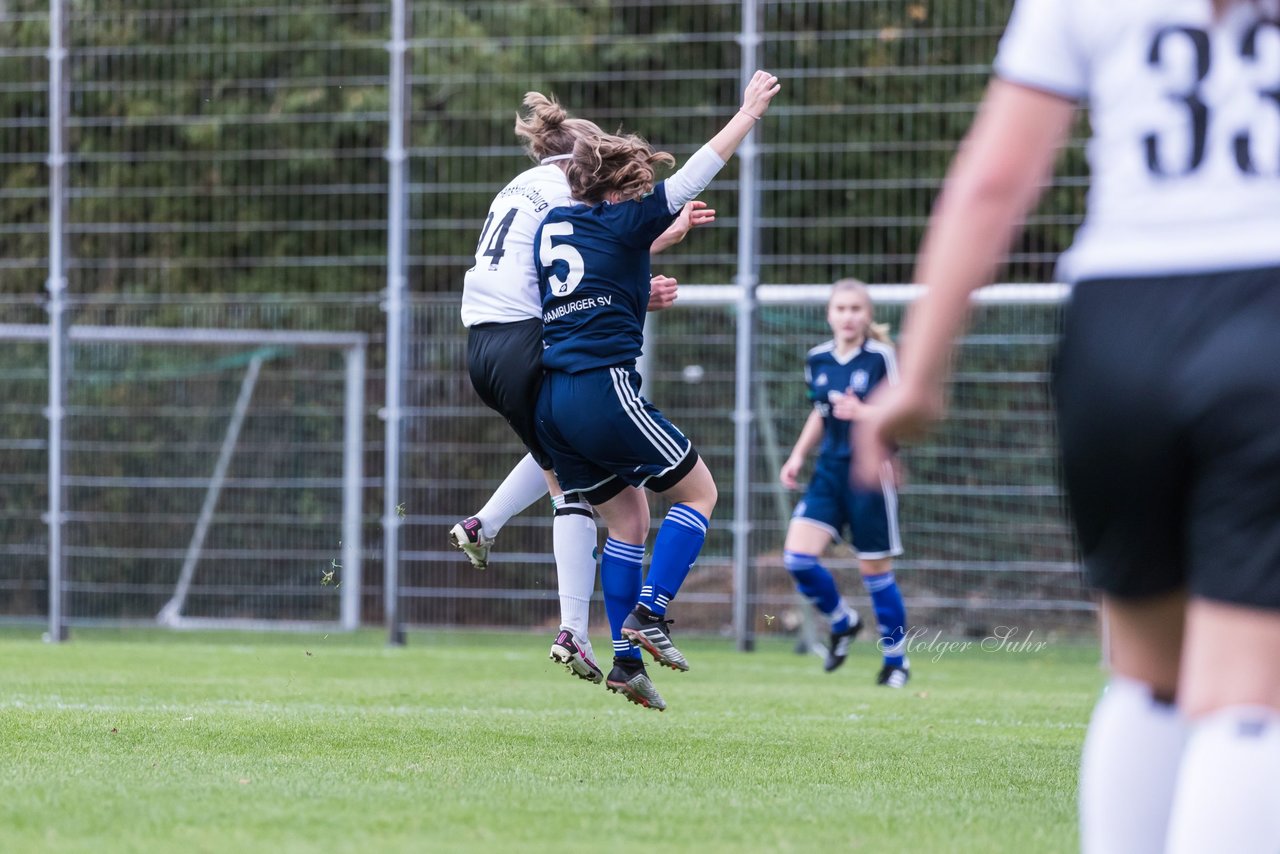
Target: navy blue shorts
x=603 y=436
x=871 y=515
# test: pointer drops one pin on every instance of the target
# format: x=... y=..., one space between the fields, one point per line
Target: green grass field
x=150 y=741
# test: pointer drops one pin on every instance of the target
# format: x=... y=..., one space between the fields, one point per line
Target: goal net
x=212 y=477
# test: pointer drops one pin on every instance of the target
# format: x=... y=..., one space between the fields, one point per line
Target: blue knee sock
x=816 y=584
x=620 y=581
x=674 y=550
x=891 y=614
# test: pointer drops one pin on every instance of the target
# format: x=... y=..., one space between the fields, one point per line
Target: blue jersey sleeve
x=637 y=223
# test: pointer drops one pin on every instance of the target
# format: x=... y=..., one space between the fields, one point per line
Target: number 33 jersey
x=502 y=287
x=1185 y=109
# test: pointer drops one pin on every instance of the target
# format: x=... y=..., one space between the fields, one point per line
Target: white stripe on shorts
x=634 y=408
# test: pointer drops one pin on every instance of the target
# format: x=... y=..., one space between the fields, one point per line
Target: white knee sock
x=1128 y=771
x=574 y=543
x=521 y=488
x=1228 y=795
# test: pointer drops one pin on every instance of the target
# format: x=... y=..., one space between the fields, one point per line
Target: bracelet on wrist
x=752 y=115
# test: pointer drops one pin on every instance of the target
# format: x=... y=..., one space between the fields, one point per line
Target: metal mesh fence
x=223 y=155
x=205 y=470
x=24 y=144
x=981 y=509
x=876 y=93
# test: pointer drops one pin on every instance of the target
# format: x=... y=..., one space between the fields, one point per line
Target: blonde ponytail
x=547 y=128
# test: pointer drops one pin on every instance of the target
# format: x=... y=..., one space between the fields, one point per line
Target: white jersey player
x=1167 y=385
x=501 y=308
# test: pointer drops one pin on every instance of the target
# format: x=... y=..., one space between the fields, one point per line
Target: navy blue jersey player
x=602 y=435
x=839 y=375
x=502 y=310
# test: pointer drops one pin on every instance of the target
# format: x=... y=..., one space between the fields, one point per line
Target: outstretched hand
x=759 y=93
x=692 y=215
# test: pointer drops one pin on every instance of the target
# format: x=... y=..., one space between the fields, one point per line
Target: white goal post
x=353 y=347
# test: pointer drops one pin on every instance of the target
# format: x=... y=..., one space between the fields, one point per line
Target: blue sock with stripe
x=620 y=570
x=891 y=614
x=815 y=583
x=674 y=550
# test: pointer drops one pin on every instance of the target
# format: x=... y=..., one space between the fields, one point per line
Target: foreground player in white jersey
x=1167 y=385
x=501 y=308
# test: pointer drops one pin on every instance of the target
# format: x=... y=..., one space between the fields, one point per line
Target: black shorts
x=1168 y=399
x=505 y=363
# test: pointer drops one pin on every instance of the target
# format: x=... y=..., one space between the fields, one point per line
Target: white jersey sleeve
x=1184 y=156
x=1039 y=49
x=502 y=287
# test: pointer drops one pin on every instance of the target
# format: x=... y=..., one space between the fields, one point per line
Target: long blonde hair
x=548 y=129
x=611 y=163
x=876 y=331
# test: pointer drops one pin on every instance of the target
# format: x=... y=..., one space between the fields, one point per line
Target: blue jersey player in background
x=603 y=436
x=839 y=375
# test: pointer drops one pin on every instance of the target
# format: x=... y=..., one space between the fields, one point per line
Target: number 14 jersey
x=1185 y=152
x=502 y=287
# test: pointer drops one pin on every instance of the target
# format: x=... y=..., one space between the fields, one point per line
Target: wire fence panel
x=226 y=171
x=218 y=456
x=217 y=153
x=876 y=94
x=983 y=523
x=227 y=148
x=24 y=145
x=981 y=510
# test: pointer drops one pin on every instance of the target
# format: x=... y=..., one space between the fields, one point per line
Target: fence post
x=56 y=285
x=394 y=305
x=747 y=280
x=353 y=487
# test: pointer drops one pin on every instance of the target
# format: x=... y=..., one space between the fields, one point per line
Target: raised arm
x=697 y=172
x=755 y=103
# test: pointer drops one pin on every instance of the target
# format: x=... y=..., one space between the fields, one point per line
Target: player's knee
x=711 y=496
x=634 y=530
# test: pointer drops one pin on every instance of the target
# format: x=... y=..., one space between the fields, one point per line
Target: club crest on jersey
x=820 y=381
x=858 y=382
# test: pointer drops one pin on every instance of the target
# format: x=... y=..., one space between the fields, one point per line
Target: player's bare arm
x=810 y=436
x=692 y=215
